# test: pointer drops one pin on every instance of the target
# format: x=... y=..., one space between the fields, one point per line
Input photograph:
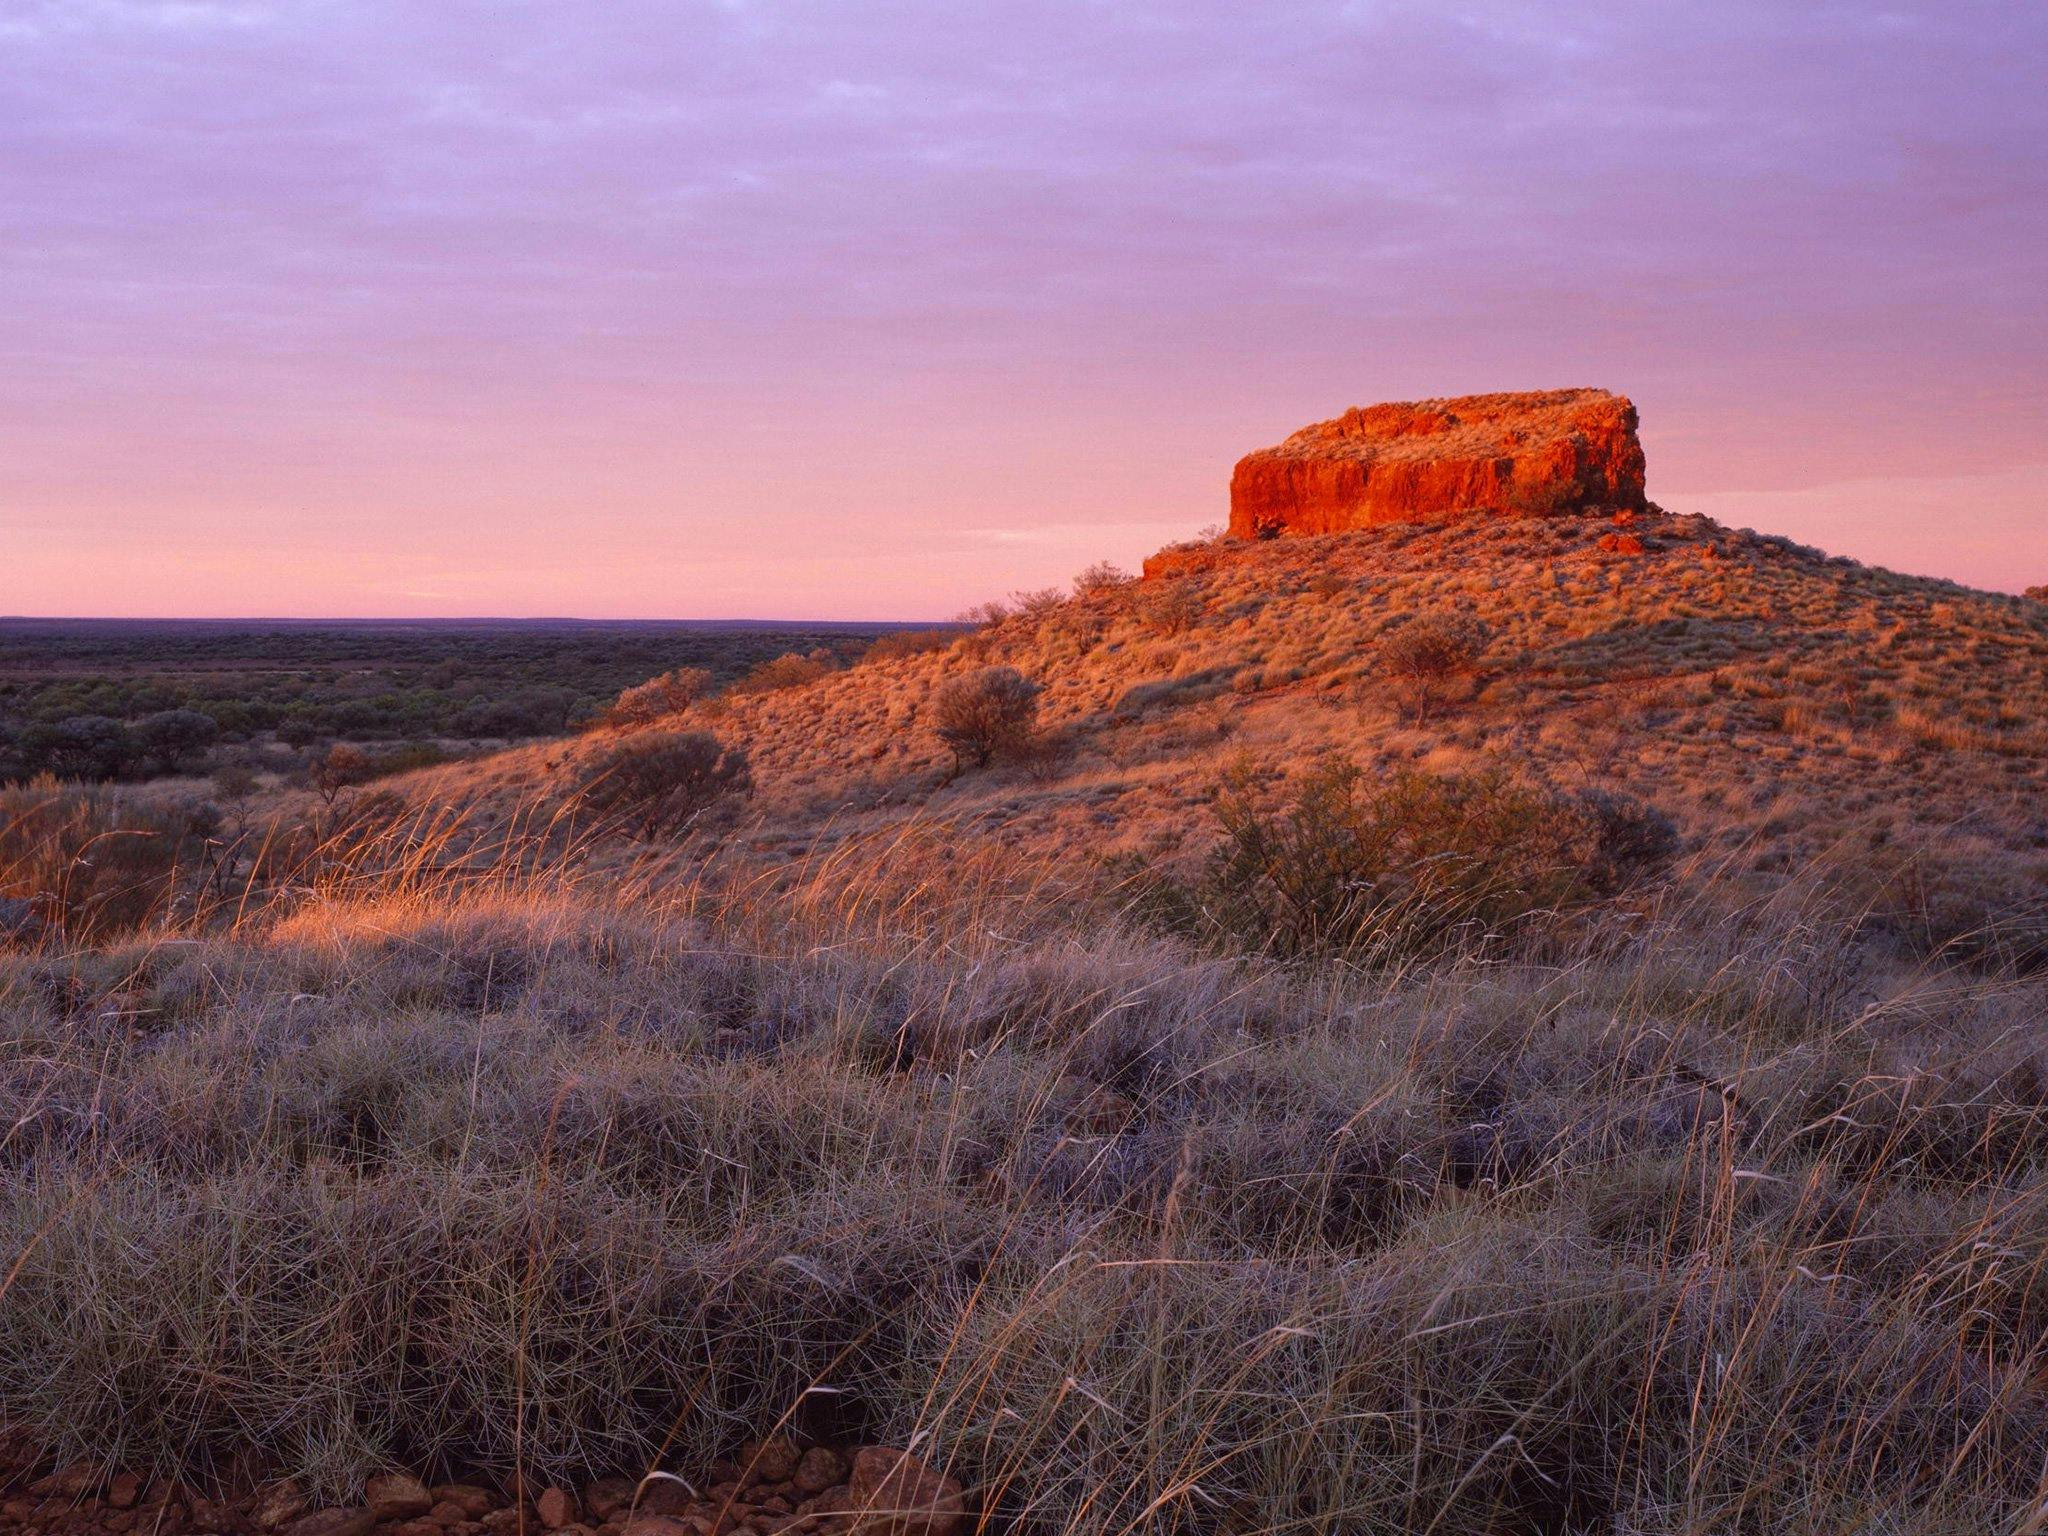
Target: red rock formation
x=1558 y=450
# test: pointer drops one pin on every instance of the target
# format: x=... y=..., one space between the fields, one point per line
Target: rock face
x=1562 y=450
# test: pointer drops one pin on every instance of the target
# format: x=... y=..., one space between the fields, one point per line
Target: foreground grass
x=1724 y=1223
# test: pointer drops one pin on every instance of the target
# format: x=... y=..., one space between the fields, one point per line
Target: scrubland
x=879 y=1106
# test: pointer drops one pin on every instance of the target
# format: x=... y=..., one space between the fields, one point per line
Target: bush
x=339 y=769
x=1170 y=607
x=80 y=747
x=909 y=642
x=786 y=671
x=656 y=783
x=1423 y=655
x=1102 y=576
x=984 y=714
x=171 y=738
x=1417 y=865
x=669 y=694
x=89 y=865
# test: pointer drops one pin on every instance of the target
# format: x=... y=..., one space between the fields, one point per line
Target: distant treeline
x=134 y=699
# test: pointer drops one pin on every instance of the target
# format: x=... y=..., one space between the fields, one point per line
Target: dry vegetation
x=1659 y=1190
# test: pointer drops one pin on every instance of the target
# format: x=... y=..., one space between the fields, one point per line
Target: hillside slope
x=1769 y=698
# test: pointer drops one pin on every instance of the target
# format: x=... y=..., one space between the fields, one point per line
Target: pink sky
x=879 y=307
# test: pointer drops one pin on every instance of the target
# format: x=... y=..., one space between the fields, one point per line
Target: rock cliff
x=1549 y=451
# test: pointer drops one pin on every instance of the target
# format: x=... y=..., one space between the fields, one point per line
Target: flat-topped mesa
x=1545 y=451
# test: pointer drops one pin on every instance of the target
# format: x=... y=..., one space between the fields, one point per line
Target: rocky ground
x=771 y=1486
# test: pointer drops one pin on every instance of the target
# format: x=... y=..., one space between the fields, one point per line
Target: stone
x=609 y=1496
x=334 y=1522
x=658 y=1525
x=1551 y=451
x=123 y=1489
x=556 y=1508
x=277 y=1505
x=472 y=1502
x=768 y=1461
x=892 y=1493
x=1620 y=544
x=817 y=1470
x=397 y=1496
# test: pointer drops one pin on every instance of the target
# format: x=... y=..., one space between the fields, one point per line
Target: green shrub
x=1417 y=864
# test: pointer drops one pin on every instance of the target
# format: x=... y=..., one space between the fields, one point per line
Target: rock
x=278 y=1504
x=1550 y=451
x=818 y=1470
x=1620 y=543
x=768 y=1461
x=334 y=1522
x=556 y=1508
x=609 y=1496
x=892 y=1493
x=470 y=1501
x=658 y=1525
x=123 y=1489
x=206 y=1515
x=397 y=1496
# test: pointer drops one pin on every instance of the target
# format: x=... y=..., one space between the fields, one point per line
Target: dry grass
x=1721 y=1219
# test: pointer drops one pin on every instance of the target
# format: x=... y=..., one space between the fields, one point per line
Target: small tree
x=1423 y=655
x=656 y=783
x=173 y=737
x=983 y=714
x=2036 y=594
x=669 y=694
x=341 y=768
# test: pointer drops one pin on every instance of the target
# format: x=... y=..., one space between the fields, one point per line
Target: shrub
x=337 y=770
x=1037 y=604
x=984 y=714
x=1170 y=607
x=1102 y=576
x=1423 y=655
x=2036 y=594
x=909 y=642
x=1416 y=865
x=669 y=694
x=173 y=737
x=656 y=783
x=786 y=671
x=79 y=747
x=92 y=866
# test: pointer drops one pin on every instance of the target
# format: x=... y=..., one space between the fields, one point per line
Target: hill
x=1499 y=1023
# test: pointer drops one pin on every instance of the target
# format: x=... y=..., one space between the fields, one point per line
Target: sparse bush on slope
x=1424 y=654
x=985 y=714
x=657 y=782
x=669 y=694
x=1415 y=864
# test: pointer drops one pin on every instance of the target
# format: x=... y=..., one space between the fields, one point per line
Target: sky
x=878 y=308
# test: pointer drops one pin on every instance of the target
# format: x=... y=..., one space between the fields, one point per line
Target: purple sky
x=875 y=309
